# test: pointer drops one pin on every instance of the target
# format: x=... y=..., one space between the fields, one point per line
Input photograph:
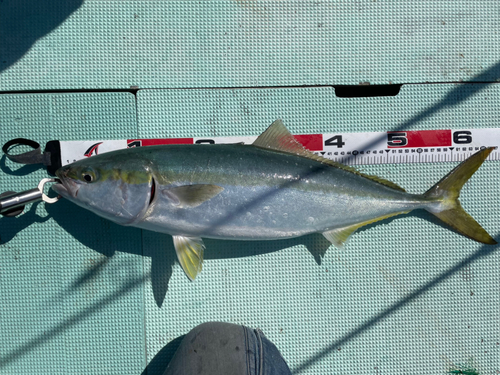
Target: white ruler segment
x=416 y=146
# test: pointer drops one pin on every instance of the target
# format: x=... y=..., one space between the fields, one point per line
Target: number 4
x=336 y=140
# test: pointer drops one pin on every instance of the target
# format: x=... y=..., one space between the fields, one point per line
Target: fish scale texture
x=245 y=43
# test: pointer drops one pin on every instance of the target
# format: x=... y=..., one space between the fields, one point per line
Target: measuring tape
x=420 y=146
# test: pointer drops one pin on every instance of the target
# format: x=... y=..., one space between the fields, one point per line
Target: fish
x=269 y=190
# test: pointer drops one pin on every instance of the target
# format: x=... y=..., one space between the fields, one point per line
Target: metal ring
x=45 y=198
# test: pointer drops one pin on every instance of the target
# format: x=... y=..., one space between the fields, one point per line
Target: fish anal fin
x=278 y=138
x=339 y=236
x=190 y=254
x=192 y=195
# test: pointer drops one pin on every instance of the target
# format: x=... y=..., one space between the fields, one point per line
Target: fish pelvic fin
x=447 y=191
x=190 y=254
x=339 y=236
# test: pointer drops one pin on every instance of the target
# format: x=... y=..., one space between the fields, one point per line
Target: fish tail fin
x=447 y=191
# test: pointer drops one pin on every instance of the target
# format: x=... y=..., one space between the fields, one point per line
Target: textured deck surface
x=82 y=295
x=240 y=43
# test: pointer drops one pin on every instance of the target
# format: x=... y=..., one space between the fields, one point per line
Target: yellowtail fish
x=272 y=189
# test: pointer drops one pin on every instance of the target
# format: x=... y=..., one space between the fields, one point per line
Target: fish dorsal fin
x=339 y=236
x=191 y=195
x=190 y=254
x=277 y=137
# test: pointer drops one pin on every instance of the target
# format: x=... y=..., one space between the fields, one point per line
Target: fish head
x=117 y=187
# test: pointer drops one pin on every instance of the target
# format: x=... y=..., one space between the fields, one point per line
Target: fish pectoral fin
x=192 y=195
x=190 y=254
x=339 y=236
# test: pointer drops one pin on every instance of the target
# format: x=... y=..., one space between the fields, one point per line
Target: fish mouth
x=60 y=189
x=65 y=186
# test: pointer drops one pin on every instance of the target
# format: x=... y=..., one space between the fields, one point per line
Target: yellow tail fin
x=447 y=191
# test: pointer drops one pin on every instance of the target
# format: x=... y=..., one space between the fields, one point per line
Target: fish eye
x=88 y=176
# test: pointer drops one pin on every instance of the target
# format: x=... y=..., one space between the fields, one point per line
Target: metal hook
x=12 y=203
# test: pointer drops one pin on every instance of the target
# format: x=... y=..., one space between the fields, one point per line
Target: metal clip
x=12 y=203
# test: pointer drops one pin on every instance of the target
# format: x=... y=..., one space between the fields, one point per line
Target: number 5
x=397 y=139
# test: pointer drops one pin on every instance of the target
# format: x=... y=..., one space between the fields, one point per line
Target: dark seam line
x=136 y=89
x=246 y=349
x=261 y=353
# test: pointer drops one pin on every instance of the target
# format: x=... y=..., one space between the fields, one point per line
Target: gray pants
x=223 y=348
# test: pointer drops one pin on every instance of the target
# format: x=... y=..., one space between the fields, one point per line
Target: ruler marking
x=425 y=146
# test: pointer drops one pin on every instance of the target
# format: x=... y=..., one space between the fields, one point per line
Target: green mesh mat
x=404 y=296
x=81 y=294
x=70 y=283
x=239 y=43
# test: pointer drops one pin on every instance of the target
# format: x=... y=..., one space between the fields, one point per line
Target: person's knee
x=211 y=348
x=225 y=348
